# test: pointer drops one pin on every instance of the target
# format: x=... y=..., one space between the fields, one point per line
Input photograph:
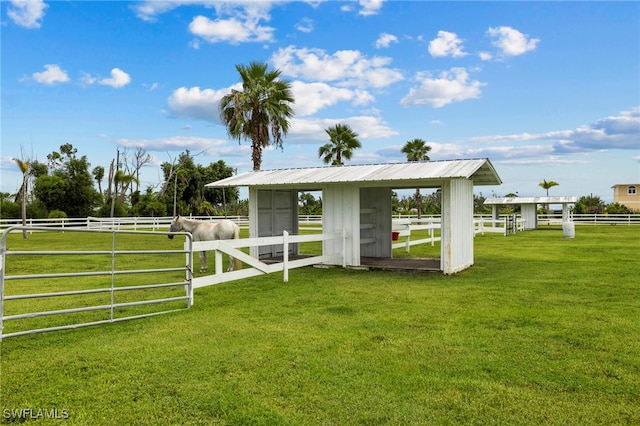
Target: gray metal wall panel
x=375 y=218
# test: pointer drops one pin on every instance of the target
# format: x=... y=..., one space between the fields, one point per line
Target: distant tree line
x=66 y=186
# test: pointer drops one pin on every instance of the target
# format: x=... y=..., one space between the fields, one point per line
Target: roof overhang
x=531 y=200
x=429 y=174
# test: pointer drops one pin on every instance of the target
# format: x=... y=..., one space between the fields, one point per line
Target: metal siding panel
x=253 y=219
x=529 y=214
x=343 y=205
x=332 y=219
x=457 y=226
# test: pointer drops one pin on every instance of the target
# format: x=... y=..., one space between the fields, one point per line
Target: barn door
x=277 y=212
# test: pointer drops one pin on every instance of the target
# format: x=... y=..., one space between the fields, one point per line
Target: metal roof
x=396 y=175
x=532 y=200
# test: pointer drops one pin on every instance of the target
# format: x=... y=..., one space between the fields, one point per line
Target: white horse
x=206 y=231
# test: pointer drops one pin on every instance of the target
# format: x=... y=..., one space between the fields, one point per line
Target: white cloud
x=236 y=21
x=347 y=67
x=313 y=130
x=385 y=40
x=512 y=42
x=446 y=44
x=485 y=56
x=202 y=104
x=370 y=7
x=87 y=79
x=451 y=86
x=117 y=80
x=628 y=122
x=613 y=132
x=305 y=25
x=148 y=10
x=316 y=96
x=346 y=7
x=196 y=103
x=213 y=147
x=27 y=13
x=362 y=97
x=547 y=161
x=504 y=152
x=234 y=30
x=52 y=74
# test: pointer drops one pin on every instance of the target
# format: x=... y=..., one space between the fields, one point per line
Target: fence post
x=285 y=255
x=188 y=247
x=113 y=276
x=432 y=233
x=2 y=250
x=218 y=262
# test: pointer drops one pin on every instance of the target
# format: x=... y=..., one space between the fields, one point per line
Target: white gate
x=87 y=302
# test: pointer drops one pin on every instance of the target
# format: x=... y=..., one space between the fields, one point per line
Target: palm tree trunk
x=419 y=203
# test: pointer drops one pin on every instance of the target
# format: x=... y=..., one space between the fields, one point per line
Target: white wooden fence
x=255 y=266
x=403 y=228
x=162 y=223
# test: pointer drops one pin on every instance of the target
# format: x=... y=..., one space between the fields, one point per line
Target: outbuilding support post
x=456 y=246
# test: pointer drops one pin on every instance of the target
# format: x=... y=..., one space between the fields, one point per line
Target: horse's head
x=176 y=226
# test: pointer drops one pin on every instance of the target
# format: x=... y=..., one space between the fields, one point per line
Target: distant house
x=628 y=195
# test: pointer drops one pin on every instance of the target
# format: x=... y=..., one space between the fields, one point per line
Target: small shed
x=529 y=207
x=357 y=198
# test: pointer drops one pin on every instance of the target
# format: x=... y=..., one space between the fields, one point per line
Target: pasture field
x=541 y=330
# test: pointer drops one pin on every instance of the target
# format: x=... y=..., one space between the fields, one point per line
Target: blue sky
x=545 y=90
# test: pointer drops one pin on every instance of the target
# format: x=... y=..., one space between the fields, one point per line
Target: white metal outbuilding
x=358 y=199
x=529 y=207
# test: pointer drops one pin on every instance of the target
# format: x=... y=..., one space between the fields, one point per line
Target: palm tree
x=343 y=142
x=260 y=111
x=417 y=150
x=122 y=180
x=24 y=168
x=98 y=175
x=548 y=184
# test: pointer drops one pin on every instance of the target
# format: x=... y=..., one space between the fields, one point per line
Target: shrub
x=57 y=214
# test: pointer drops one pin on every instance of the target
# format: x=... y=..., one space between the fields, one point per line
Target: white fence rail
x=256 y=266
x=152 y=223
x=592 y=219
x=162 y=223
x=114 y=223
x=403 y=228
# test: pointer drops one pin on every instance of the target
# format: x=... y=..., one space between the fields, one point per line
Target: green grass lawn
x=541 y=330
